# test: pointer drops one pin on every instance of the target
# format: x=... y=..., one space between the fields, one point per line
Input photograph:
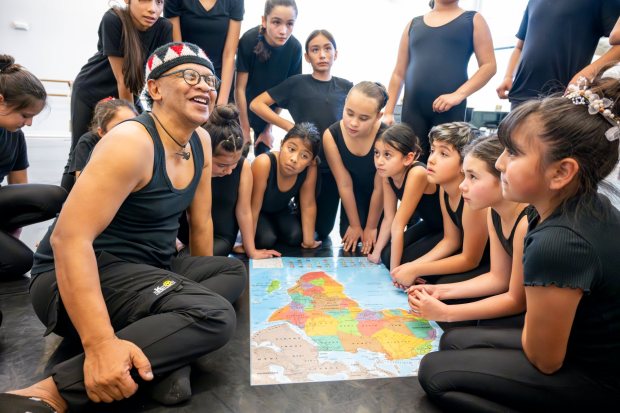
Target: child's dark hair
x=105 y=111
x=457 y=134
x=568 y=130
x=223 y=126
x=19 y=88
x=486 y=149
x=316 y=33
x=261 y=50
x=402 y=138
x=308 y=133
x=133 y=53
x=374 y=90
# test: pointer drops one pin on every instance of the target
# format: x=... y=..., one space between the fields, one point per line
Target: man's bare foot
x=47 y=391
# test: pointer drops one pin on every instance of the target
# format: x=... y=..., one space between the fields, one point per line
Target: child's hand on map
x=404 y=275
x=433 y=289
x=375 y=257
x=315 y=244
x=426 y=306
x=262 y=254
x=351 y=238
x=369 y=238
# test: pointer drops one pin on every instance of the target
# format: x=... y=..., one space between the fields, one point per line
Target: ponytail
x=133 y=53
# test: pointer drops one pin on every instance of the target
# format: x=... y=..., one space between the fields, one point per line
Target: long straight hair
x=133 y=53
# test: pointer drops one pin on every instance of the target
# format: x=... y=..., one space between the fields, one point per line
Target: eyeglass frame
x=218 y=82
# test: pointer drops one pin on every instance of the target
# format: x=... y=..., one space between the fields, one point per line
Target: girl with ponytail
x=127 y=35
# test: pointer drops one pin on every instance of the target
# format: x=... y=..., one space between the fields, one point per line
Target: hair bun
x=6 y=61
x=224 y=115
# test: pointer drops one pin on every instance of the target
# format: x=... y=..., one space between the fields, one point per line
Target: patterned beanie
x=171 y=55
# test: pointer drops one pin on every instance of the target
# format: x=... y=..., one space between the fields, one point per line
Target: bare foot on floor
x=47 y=391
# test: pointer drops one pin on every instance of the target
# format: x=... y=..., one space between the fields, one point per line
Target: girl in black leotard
x=280 y=176
x=108 y=113
x=432 y=65
x=404 y=178
x=231 y=187
x=462 y=249
x=507 y=224
x=348 y=146
x=557 y=152
x=22 y=96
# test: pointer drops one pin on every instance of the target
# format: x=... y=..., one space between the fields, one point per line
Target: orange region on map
x=335 y=322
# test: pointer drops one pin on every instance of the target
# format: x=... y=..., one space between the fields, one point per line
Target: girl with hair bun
x=231 y=187
x=267 y=55
x=22 y=97
x=403 y=179
x=349 y=149
x=557 y=152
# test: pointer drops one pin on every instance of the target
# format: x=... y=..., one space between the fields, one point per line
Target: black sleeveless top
x=455 y=216
x=275 y=200
x=145 y=226
x=361 y=168
x=438 y=59
x=428 y=207
x=224 y=194
x=528 y=211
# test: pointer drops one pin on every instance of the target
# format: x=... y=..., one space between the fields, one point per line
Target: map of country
x=335 y=318
x=337 y=323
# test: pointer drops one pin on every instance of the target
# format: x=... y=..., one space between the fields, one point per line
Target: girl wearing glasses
x=214 y=25
x=317 y=98
x=267 y=55
x=112 y=71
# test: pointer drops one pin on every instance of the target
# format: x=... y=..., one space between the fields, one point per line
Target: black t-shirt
x=96 y=79
x=581 y=251
x=81 y=153
x=206 y=28
x=560 y=38
x=13 y=153
x=284 y=62
x=311 y=100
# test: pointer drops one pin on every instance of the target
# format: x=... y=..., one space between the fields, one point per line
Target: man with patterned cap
x=106 y=271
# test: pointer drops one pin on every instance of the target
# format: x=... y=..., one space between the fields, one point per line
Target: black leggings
x=81 y=117
x=418 y=240
x=283 y=227
x=485 y=370
x=22 y=205
x=326 y=204
x=192 y=318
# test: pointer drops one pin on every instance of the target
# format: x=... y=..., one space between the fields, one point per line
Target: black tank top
x=275 y=200
x=528 y=211
x=455 y=216
x=224 y=194
x=428 y=207
x=438 y=58
x=145 y=226
x=361 y=168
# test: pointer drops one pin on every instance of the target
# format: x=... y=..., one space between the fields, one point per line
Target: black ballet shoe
x=14 y=403
x=172 y=389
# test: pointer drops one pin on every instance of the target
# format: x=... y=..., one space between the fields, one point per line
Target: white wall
x=63 y=35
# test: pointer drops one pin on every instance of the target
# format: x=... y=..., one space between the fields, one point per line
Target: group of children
x=508 y=230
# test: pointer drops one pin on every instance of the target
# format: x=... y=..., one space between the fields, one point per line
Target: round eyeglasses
x=192 y=78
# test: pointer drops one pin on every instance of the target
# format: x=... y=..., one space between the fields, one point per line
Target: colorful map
x=334 y=318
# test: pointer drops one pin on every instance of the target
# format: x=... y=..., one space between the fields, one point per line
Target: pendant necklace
x=182 y=153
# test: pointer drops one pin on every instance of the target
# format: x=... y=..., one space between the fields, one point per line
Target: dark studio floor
x=220 y=381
